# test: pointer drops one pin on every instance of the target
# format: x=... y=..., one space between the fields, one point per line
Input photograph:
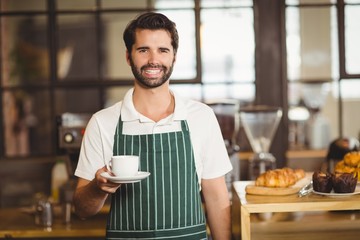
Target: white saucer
x=333 y=194
x=132 y=179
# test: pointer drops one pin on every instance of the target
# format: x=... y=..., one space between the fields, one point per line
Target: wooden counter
x=15 y=223
x=315 y=222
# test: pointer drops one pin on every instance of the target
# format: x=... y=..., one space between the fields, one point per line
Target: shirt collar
x=129 y=113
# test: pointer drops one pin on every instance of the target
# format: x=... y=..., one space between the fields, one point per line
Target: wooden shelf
x=293 y=154
x=306 y=153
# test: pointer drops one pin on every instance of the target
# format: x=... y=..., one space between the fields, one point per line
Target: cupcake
x=322 y=182
x=344 y=182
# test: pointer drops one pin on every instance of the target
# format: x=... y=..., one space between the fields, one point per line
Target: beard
x=151 y=82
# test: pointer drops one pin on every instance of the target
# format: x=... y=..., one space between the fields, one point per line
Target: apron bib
x=167 y=204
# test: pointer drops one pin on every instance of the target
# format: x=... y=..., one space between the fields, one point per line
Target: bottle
x=58 y=178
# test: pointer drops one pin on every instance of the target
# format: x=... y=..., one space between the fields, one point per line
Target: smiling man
x=178 y=141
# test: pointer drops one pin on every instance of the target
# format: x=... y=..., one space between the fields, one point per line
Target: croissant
x=350 y=164
x=283 y=177
x=352 y=159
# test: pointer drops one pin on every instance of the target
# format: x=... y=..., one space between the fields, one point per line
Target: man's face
x=152 y=57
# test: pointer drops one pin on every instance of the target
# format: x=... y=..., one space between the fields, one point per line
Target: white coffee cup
x=123 y=165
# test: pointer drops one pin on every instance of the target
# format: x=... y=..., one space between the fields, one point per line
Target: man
x=179 y=142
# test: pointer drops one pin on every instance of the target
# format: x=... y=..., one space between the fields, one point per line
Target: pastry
x=300 y=173
x=352 y=159
x=344 y=182
x=350 y=164
x=283 y=177
x=322 y=182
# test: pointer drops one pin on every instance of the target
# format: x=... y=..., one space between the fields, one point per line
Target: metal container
x=66 y=196
x=44 y=213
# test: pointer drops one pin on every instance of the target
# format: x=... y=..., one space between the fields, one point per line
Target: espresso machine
x=71 y=128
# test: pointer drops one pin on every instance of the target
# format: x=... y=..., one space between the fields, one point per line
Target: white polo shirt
x=211 y=158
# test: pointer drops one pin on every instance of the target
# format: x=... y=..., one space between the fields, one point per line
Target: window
x=228 y=63
x=68 y=56
x=322 y=54
x=312 y=61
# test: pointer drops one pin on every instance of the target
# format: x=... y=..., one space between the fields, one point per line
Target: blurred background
x=62 y=60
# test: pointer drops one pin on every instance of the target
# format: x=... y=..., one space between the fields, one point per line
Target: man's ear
x=127 y=57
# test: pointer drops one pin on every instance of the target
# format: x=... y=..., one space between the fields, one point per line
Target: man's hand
x=90 y=196
x=104 y=184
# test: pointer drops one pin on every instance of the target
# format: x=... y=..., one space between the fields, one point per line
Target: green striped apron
x=167 y=204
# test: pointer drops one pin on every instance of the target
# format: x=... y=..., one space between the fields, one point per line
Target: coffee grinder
x=260 y=124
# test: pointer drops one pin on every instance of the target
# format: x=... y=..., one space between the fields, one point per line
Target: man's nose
x=153 y=58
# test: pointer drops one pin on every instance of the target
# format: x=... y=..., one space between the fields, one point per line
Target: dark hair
x=153 y=21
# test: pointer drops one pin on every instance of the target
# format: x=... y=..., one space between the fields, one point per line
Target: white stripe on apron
x=167 y=204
